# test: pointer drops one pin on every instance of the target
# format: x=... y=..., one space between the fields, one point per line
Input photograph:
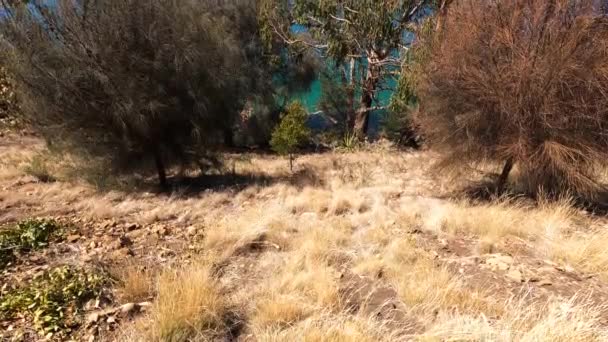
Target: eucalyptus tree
x=364 y=39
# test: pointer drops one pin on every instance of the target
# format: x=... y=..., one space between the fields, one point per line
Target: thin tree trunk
x=228 y=137
x=291 y=162
x=362 y=116
x=504 y=176
x=160 y=168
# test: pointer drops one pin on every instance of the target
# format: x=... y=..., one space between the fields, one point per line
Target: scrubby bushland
x=137 y=83
x=525 y=83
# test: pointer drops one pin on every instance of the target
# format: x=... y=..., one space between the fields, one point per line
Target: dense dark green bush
x=137 y=83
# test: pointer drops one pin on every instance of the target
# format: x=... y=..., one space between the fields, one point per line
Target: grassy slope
x=352 y=247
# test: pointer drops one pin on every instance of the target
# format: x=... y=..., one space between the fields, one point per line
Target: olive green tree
x=291 y=132
x=137 y=83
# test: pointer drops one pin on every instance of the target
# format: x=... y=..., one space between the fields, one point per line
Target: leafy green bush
x=25 y=236
x=291 y=132
x=53 y=300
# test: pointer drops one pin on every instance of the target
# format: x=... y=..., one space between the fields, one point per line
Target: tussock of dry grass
x=329 y=328
x=554 y=321
x=189 y=305
x=279 y=311
x=135 y=284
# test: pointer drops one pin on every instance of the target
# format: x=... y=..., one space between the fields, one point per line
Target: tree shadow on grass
x=187 y=186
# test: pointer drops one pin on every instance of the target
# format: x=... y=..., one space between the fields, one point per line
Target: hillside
x=361 y=246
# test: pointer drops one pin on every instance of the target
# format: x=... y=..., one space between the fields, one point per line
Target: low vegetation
x=291 y=132
x=25 y=236
x=363 y=241
x=52 y=300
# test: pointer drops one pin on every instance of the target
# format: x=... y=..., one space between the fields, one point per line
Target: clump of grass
x=53 y=299
x=279 y=311
x=188 y=307
x=25 y=236
x=135 y=284
x=38 y=167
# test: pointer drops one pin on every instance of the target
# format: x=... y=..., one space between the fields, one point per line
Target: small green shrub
x=53 y=300
x=25 y=236
x=349 y=142
x=291 y=132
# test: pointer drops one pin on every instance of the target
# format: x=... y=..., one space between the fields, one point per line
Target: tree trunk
x=362 y=116
x=504 y=176
x=291 y=162
x=228 y=137
x=160 y=168
x=367 y=95
x=350 y=97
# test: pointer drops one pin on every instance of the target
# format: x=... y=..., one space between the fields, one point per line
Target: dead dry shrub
x=521 y=83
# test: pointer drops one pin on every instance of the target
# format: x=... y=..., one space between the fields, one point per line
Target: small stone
x=515 y=275
x=144 y=306
x=121 y=253
x=111 y=319
x=73 y=238
x=125 y=241
x=127 y=308
x=500 y=262
x=93 y=318
x=93 y=244
x=192 y=230
x=133 y=226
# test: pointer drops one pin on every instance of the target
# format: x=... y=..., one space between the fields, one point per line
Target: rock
x=120 y=254
x=500 y=262
x=192 y=230
x=308 y=216
x=515 y=275
x=93 y=318
x=73 y=238
x=125 y=241
x=133 y=226
x=144 y=305
x=93 y=244
x=127 y=308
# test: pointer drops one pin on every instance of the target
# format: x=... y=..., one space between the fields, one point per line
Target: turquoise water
x=312 y=98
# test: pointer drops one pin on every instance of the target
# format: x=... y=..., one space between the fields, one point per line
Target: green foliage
x=292 y=131
x=145 y=86
x=25 y=236
x=349 y=142
x=364 y=39
x=52 y=300
x=404 y=100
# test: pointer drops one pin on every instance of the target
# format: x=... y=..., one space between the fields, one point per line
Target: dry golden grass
x=136 y=284
x=278 y=311
x=189 y=306
x=284 y=254
x=555 y=320
x=327 y=328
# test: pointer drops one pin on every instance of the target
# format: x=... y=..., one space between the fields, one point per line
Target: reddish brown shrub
x=521 y=82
